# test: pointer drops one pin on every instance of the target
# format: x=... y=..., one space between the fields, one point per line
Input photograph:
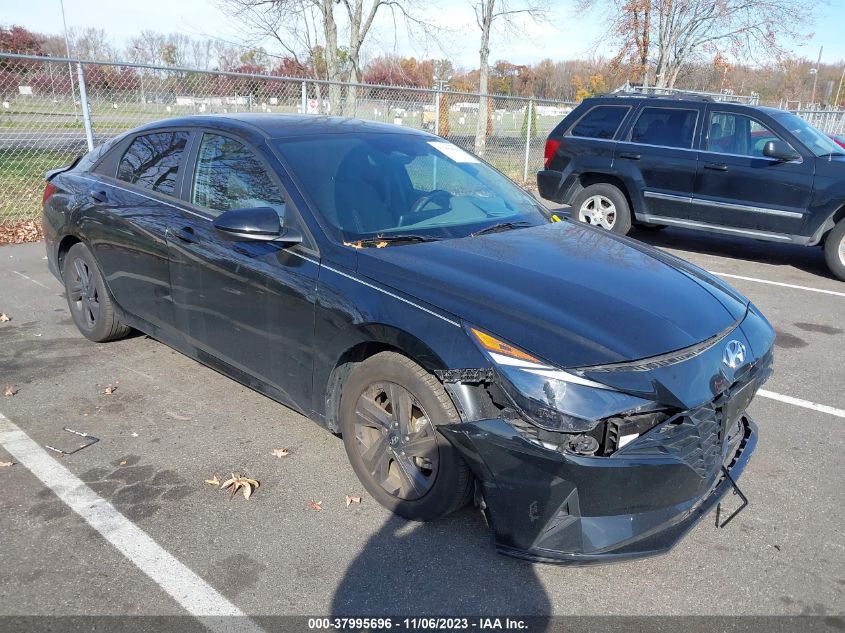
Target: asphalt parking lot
x=171 y=423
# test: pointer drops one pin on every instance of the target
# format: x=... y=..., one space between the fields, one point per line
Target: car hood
x=565 y=292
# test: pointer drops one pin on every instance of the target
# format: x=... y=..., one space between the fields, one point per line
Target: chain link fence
x=53 y=110
x=829 y=121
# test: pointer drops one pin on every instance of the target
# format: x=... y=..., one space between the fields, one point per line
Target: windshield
x=817 y=142
x=390 y=185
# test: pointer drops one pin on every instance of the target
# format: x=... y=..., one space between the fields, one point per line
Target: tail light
x=49 y=190
x=551 y=149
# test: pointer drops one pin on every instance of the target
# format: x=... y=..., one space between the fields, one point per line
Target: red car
x=838 y=139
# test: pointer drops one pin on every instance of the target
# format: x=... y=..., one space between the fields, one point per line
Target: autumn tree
x=660 y=37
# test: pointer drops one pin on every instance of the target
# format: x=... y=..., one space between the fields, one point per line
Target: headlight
x=551 y=398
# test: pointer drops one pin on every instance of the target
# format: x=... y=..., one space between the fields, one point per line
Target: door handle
x=186 y=234
x=98 y=195
x=716 y=166
x=629 y=156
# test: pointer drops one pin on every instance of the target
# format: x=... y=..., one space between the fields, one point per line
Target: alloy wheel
x=83 y=293
x=599 y=211
x=396 y=440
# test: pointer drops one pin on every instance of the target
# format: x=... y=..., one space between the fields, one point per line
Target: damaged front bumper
x=557 y=507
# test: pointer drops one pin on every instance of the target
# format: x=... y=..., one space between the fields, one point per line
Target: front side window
x=152 y=161
x=229 y=176
x=731 y=133
x=600 y=122
x=669 y=127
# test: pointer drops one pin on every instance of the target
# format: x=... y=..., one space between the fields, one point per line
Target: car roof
x=283 y=125
x=675 y=99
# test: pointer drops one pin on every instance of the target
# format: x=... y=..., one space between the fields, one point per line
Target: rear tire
x=834 y=250
x=603 y=205
x=388 y=412
x=88 y=299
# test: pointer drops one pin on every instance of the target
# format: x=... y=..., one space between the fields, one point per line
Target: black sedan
x=587 y=392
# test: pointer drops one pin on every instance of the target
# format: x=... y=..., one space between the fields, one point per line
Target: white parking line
x=778 y=283
x=798 y=402
x=35 y=281
x=194 y=594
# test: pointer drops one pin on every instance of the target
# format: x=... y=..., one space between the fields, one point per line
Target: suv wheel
x=604 y=206
x=834 y=250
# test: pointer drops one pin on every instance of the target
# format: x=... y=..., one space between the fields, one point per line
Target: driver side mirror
x=259 y=224
x=780 y=151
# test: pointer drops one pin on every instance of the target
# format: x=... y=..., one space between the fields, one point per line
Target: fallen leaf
x=357 y=244
x=5 y=317
x=10 y=390
x=134 y=434
x=237 y=482
x=214 y=481
x=281 y=452
x=381 y=244
x=110 y=389
x=6 y=464
x=315 y=505
x=123 y=463
x=350 y=500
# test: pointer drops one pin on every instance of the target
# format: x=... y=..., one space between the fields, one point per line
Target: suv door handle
x=98 y=195
x=629 y=156
x=186 y=234
x=716 y=166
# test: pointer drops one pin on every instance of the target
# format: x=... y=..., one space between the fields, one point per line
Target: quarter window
x=600 y=122
x=229 y=176
x=731 y=133
x=152 y=161
x=670 y=127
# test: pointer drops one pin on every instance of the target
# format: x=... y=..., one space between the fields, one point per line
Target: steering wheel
x=440 y=196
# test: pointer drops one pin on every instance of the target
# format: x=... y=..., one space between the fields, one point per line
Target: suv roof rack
x=642 y=92
x=653 y=94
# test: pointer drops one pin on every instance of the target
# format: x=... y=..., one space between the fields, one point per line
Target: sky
x=562 y=35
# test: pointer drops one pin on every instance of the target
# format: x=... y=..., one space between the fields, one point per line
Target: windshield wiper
x=395 y=239
x=502 y=226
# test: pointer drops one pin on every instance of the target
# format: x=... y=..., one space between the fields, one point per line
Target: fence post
x=86 y=112
x=437 y=112
x=527 y=140
x=304 y=99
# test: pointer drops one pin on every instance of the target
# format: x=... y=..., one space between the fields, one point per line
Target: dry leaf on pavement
x=10 y=390
x=5 y=317
x=110 y=389
x=6 y=464
x=281 y=452
x=237 y=482
x=315 y=505
x=214 y=481
x=350 y=500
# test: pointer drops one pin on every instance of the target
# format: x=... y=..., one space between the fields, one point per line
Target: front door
x=246 y=307
x=737 y=186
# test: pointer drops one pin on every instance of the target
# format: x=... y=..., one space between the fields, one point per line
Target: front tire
x=87 y=297
x=603 y=205
x=834 y=250
x=389 y=409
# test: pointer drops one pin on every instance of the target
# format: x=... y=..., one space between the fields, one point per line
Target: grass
x=22 y=181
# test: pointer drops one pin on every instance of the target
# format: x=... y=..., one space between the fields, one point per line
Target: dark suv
x=697 y=163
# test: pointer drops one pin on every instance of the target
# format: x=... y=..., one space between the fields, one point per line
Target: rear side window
x=152 y=161
x=669 y=127
x=229 y=176
x=600 y=122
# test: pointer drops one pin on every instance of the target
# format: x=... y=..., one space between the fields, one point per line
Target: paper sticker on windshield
x=454 y=152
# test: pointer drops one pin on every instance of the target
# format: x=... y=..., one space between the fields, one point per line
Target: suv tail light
x=551 y=149
x=49 y=190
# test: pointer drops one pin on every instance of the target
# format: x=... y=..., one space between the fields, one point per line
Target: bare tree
x=487 y=13
x=664 y=35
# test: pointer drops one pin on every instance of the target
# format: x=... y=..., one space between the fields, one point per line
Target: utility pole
x=816 y=77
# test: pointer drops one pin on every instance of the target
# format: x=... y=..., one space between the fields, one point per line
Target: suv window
x=670 y=127
x=152 y=161
x=600 y=122
x=731 y=133
x=229 y=176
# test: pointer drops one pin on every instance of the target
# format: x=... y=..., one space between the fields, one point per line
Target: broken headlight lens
x=552 y=398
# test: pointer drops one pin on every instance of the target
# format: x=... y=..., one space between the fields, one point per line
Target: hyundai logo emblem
x=734 y=355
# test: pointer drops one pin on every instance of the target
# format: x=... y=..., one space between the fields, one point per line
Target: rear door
x=658 y=156
x=249 y=305
x=138 y=187
x=736 y=186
